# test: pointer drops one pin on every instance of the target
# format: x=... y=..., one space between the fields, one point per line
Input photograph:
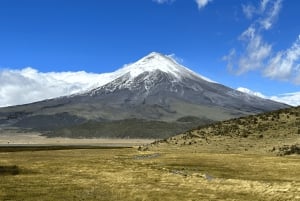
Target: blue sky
x=253 y=44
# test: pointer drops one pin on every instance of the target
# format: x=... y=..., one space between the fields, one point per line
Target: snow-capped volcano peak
x=156 y=61
x=151 y=65
x=152 y=62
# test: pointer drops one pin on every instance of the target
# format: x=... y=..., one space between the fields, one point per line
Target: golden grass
x=166 y=174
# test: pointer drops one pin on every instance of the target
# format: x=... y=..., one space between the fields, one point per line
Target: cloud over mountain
x=28 y=85
x=249 y=91
x=288 y=98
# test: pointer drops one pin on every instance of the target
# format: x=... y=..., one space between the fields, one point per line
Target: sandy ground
x=12 y=137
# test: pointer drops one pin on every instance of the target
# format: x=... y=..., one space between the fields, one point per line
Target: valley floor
x=167 y=173
x=17 y=137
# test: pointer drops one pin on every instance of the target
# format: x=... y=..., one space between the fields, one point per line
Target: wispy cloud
x=163 y=1
x=287 y=98
x=263 y=5
x=202 y=3
x=249 y=10
x=250 y=92
x=271 y=13
x=28 y=85
x=285 y=65
x=176 y=58
x=256 y=53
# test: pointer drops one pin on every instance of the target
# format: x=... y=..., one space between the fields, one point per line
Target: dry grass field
x=128 y=174
x=250 y=158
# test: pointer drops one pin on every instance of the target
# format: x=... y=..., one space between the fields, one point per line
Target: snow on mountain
x=150 y=65
x=156 y=61
x=157 y=79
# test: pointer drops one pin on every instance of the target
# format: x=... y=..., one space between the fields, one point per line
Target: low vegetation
x=9 y=170
x=289 y=149
x=177 y=173
x=274 y=132
x=128 y=128
x=249 y=158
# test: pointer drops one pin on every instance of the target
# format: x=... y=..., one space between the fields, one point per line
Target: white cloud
x=163 y=1
x=263 y=5
x=253 y=93
x=255 y=51
x=202 y=3
x=287 y=98
x=176 y=58
x=252 y=57
x=249 y=10
x=257 y=54
x=28 y=85
x=267 y=10
x=285 y=64
x=271 y=14
x=230 y=59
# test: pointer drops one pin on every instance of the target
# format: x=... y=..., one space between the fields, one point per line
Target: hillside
x=273 y=132
x=142 y=99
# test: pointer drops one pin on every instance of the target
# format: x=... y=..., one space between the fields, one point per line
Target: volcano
x=153 y=97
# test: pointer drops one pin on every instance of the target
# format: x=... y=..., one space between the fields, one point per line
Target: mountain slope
x=155 y=88
x=273 y=132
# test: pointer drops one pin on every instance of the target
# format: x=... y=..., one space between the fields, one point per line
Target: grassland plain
x=250 y=158
x=176 y=173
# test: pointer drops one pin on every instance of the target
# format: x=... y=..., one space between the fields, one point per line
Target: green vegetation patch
x=128 y=128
